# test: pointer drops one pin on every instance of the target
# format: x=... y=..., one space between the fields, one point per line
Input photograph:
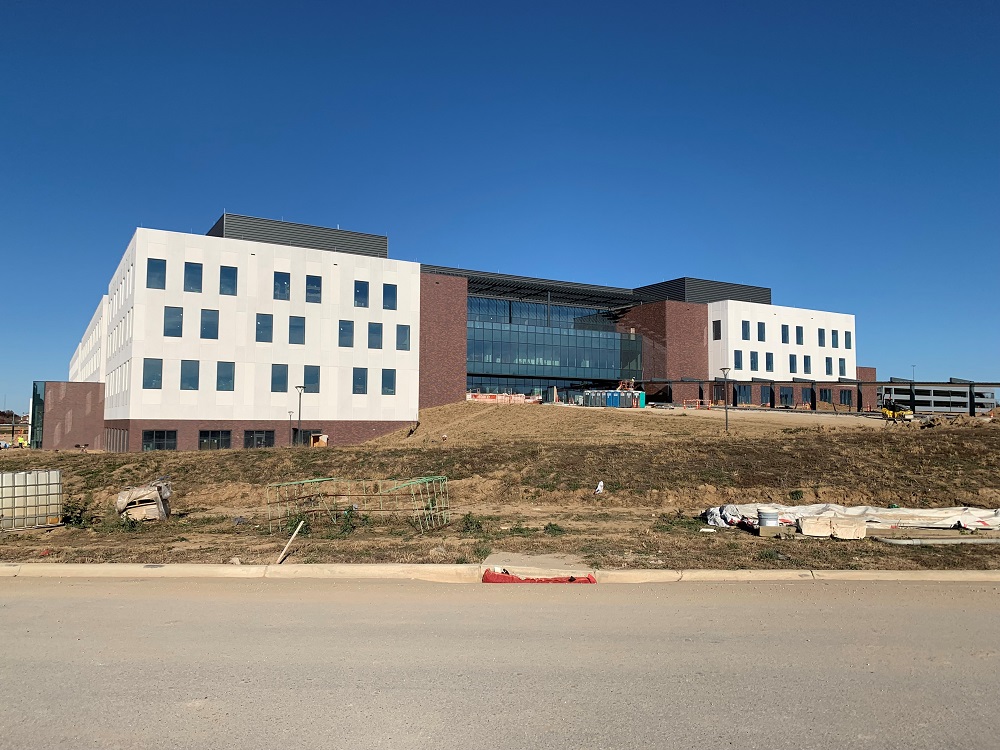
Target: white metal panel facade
x=138 y=319
x=809 y=358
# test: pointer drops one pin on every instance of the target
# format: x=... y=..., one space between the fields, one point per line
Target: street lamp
x=725 y=393
x=913 y=373
x=290 y=427
x=300 y=388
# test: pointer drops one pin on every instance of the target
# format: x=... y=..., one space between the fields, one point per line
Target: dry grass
x=516 y=469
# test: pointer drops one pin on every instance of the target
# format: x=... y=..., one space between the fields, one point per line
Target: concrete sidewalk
x=473 y=573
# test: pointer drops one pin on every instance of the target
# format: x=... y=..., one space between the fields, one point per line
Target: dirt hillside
x=521 y=480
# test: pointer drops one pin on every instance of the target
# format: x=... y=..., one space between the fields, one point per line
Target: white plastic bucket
x=767 y=517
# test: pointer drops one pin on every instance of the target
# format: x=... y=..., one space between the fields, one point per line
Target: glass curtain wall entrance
x=526 y=347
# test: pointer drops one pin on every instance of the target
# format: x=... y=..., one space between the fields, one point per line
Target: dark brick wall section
x=869 y=393
x=674 y=345
x=443 y=339
x=74 y=415
x=687 y=340
x=341 y=433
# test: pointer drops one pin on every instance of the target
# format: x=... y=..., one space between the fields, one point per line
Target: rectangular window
x=821 y=336
x=807 y=364
x=152 y=374
x=279 y=378
x=282 y=285
x=225 y=376
x=159 y=440
x=842 y=367
x=402 y=338
x=314 y=288
x=807 y=395
x=360 y=381
x=835 y=339
x=173 y=321
x=346 y=333
x=258 y=439
x=829 y=365
x=192 y=277
x=213 y=440
x=826 y=395
x=374 y=335
x=156 y=273
x=228 y=281
x=769 y=362
x=388 y=296
x=189 y=374
x=784 y=334
x=753 y=362
x=310 y=378
x=265 y=327
x=296 y=329
x=210 y=324
x=761 y=331
x=847 y=339
x=361 y=294
x=716 y=330
x=388 y=382
x=786 y=395
x=737 y=360
x=845 y=398
x=799 y=335
x=746 y=330
x=793 y=365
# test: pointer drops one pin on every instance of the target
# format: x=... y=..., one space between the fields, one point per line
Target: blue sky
x=847 y=155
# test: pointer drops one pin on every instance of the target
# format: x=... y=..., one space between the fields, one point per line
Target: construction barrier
x=696 y=403
x=498 y=398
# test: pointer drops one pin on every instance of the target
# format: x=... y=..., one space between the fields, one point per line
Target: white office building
x=222 y=337
x=771 y=342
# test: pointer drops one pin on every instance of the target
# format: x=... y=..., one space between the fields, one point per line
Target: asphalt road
x=320 y=664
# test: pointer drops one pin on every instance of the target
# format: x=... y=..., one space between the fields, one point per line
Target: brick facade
x=674 y=346
x=340 y=432
x=443 y=339
x=74 y=415
x=869 y=393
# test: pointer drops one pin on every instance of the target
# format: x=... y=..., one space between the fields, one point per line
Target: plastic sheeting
x=890 y=518
x=491 y=576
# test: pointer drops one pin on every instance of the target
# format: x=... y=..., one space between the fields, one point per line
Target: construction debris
x=148 y=502
x=329 y=500
x=854 y=522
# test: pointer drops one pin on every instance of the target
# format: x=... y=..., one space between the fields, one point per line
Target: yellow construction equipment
x=896 y=412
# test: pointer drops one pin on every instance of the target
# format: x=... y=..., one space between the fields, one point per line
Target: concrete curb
x=940 y=576
x=435 y=573
x=474 y=573
x=746 y=575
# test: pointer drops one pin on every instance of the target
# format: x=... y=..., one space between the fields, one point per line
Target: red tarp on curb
x=492 y=577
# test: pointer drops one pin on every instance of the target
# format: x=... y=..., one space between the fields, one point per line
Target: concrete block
x=821 y=526
x=848 y=528
x=774 y=531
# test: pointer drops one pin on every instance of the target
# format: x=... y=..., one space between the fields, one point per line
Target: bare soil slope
x=521 y=481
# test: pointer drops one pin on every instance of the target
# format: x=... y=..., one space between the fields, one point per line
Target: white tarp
x=890 y=518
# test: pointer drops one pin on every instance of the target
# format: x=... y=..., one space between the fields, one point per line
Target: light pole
x=725 y=393
x=913 y=373
x=290 y=427
x=300 y=388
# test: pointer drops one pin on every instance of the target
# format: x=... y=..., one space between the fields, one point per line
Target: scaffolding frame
x=424 y=499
